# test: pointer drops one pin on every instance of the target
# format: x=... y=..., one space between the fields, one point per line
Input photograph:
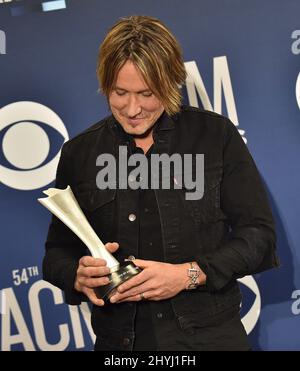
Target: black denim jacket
x=229 y=231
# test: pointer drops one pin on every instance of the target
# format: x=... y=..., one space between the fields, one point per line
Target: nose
x=133 y=106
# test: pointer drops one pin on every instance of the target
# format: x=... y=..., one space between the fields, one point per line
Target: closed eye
x=120 y=92
x=144 y=93
x=147 y=94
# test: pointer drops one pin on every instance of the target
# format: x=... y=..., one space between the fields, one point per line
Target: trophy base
x=126 y=271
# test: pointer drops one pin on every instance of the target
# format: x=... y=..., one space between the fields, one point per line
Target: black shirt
x=149 y=314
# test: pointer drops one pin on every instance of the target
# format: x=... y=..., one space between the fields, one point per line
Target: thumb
x=112 y=246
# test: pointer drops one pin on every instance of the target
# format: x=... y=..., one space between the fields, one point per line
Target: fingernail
x=113 y=299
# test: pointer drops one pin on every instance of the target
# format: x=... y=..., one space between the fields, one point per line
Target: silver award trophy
x=63 y=204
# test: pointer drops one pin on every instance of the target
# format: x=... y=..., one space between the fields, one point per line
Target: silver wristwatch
x=193 y=274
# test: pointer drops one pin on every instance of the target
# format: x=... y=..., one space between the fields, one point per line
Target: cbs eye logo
x=251 y=306
x=27 y=159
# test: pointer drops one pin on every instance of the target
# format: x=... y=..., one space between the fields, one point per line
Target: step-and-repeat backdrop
x=243 y=60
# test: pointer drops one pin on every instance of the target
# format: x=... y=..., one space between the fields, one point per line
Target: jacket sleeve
x=250 y=246
x=63 y=247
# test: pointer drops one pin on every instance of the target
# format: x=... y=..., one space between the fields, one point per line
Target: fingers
x=147 y=295
x=90 y=282
x=91 y=273
x=90 y=293
x=89 y=261
x=130 y=298
x=143 y=263
x=139 y=279
x=94 y=271
x=132 y=293
x=93 y=276
x=137 y=290
x=134 y=281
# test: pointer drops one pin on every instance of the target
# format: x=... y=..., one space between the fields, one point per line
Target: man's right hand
x=92 y=273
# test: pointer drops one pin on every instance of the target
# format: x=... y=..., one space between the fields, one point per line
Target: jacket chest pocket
x=98 y=206
x=207 y=209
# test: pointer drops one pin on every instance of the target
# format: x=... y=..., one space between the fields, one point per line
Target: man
x=191 y=251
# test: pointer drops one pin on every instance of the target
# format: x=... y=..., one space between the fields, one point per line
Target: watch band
x=193 y=274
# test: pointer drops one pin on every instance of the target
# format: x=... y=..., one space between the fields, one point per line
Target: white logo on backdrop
x=251 y=317
x=26 y=145
x=222 y=85
x=2 y=302
x=298 y=90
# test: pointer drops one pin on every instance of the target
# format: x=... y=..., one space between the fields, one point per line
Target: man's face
x=132 y=102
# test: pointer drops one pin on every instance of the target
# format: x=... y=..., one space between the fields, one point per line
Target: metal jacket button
x=132 y=217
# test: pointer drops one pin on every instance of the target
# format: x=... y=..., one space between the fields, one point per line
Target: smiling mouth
x=134 y=121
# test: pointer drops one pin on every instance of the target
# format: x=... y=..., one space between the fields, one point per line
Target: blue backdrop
x=242 y=60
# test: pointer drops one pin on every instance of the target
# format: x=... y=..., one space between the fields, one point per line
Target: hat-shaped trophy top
x=63 y=204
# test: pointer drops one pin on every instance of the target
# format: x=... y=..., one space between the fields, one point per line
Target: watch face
x=193 y=272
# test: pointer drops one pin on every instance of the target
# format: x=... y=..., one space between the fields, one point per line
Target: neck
x=145 y=143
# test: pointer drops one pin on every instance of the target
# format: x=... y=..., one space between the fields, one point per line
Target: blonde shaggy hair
x=153 y=49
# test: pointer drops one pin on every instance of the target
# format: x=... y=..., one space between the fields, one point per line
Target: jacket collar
x=165 y=122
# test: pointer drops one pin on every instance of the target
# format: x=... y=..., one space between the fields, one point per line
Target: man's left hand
x=157 y=281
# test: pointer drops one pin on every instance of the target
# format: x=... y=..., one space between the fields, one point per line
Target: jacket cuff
x=203 y=265
x=214 y=281
x=72 y=296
